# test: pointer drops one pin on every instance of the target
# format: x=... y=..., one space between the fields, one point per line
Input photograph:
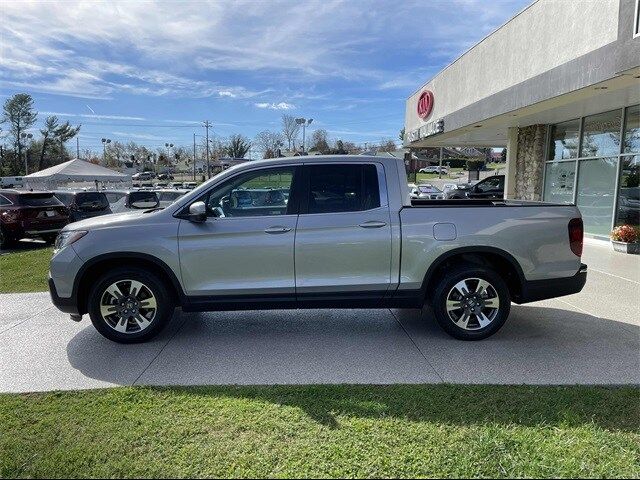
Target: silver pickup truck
x=316 y=232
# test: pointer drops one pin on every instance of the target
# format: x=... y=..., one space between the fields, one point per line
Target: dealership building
x=558 y=85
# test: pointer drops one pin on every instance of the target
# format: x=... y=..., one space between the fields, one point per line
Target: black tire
x=474 y=331
x=5 y=240
x=164 y=305
x=49 y=239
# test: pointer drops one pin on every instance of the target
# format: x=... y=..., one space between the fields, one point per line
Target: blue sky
x=152 y=71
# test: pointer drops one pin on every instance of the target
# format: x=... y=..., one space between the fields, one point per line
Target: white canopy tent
x=75 y=172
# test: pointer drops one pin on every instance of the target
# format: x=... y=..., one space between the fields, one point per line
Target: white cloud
x=100 y=117
x=276 y=106
x=172 y=48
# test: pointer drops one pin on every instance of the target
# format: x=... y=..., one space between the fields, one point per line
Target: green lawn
x=25 y=271
x=333 y=431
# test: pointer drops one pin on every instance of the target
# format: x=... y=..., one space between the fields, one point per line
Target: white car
x=434 y=169
x=427 y=191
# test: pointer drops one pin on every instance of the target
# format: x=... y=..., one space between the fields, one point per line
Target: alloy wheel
x=128 y=306
x=472 y=304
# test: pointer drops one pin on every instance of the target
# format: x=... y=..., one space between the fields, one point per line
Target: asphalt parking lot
x=589 y=338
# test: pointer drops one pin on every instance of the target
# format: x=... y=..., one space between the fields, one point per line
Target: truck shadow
x=538 y=345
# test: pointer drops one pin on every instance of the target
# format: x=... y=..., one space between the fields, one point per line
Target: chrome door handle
x=373 y=224
x=277 y=229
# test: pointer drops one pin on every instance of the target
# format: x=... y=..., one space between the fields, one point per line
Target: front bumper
x=66 y=305
x=533 y=291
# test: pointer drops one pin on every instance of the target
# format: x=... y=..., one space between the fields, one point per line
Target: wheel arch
x=101 y=264
x=497 y=259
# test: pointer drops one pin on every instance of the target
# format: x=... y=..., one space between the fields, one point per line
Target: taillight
x=576 y=234
x=11 y=216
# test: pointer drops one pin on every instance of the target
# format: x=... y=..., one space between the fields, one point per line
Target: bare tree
x=388 y=146
x=320 y=140
x=268 y=143
x=290 y=129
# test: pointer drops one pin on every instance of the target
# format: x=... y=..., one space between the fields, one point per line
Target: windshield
x=39 y=200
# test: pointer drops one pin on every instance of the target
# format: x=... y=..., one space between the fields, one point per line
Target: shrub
x=625 y=233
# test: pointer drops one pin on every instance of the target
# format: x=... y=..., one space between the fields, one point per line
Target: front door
x=489 y=188
x=343 y=238
x=245 y=247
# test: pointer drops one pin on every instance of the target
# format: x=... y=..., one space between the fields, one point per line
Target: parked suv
x=347 y=235
x=30 y=214
x=82 y=204
x=125 y=200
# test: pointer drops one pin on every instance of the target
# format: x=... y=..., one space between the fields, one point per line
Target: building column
x=530 y=162
x=512 y=155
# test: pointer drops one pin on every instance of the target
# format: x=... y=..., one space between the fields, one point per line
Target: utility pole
x=194 y=156
x=440 y=163
x=61 y=150
x=77 y=147
x=207 y=124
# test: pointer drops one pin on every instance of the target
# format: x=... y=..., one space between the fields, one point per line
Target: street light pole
x=194 y=156
x=105 y=141
x=26 y=151
x=304 y=122
x=207 y=124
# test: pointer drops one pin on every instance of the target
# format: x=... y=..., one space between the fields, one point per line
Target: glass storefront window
x=596 y=194
x=601 y=134
x=632 y=130
x=629 y=191
x=558 y=182
x=564 y=140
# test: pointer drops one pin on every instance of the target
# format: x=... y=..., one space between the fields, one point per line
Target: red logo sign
x=425 y=104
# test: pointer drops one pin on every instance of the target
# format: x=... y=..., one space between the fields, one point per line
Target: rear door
x=343 y=237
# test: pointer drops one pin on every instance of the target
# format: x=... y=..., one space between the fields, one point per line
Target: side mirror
x=197 y=212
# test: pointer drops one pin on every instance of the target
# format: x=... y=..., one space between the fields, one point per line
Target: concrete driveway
x=589 y=338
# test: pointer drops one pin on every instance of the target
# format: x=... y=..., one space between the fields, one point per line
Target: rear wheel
x=471 y=302
x=130 y=305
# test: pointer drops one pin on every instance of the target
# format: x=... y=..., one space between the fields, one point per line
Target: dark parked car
x=165 y=176
x=83 y=204
x=460 y=191
x=125 y=200
x=30 y=214
x=490 y=187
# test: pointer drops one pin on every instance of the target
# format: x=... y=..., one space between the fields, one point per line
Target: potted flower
x=625 y=239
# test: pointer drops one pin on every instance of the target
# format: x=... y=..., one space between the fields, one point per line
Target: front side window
x=343 y=188
x=4 y=201
x=493 y=183
x=258 y=193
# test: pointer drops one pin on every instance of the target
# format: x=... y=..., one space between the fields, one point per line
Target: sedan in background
x=83 y=204
x=30 y=214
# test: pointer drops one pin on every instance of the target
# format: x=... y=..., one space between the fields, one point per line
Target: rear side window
x=39 y=200
x=343 y=188
x=113 y=197
x=92 y=200
x=4 y=201
x=66 y=198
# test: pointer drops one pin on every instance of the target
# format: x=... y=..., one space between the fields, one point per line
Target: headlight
x=67 y=238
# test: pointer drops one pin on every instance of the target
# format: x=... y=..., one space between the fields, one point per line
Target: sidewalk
x=589 y=338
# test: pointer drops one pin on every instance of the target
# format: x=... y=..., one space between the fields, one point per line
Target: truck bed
x=481 y=203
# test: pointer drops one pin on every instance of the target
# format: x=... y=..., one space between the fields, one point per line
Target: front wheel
x=471 y=302
x=130 y=305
